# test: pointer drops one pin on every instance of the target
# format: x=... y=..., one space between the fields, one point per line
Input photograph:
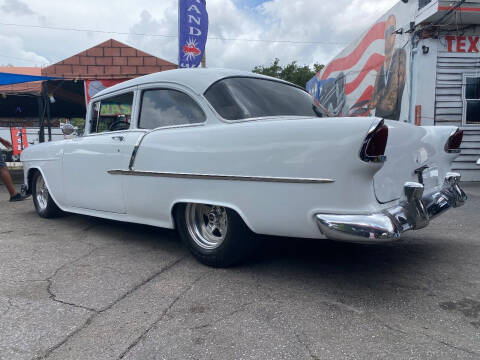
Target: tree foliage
x=292 y=72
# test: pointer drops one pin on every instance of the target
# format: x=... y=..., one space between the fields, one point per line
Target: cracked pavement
x=86 y=288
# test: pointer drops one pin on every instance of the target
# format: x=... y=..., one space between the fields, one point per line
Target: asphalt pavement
x=85 y=288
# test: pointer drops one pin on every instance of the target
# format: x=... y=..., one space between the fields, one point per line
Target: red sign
x=19 y=140
x=463 y=44
x=92 y=87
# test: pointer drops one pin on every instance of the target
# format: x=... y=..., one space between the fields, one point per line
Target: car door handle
x=119 y=138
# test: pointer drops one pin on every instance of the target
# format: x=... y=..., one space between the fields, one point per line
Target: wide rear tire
x=44 y=204
x=216 y=236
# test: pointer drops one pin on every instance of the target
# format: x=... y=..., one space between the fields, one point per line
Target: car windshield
x=245 y=98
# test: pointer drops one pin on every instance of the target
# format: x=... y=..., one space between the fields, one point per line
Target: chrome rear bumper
x=412 y=214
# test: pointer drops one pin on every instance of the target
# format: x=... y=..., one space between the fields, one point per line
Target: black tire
x=46 y=209
x=237 y=246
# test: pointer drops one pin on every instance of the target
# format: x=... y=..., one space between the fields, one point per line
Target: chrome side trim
x=135 y=150
x=48 y=159
x=221 y=177
x=413 y=214
x=113 y=133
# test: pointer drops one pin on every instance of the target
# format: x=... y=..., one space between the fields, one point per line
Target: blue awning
x=9 y=79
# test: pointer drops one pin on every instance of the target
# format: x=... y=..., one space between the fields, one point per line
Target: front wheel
x=215 y=235
x=42 y=199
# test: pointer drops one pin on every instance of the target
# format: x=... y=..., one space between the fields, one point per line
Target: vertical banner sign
x=192 y=32
x=19 y=140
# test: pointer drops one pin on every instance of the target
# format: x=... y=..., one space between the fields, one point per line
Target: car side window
x=166 y=107
x=112 y=114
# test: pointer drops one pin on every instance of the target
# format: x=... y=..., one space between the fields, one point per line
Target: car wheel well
x=174 y=211
x=31 y=174
x=184 y=203
x=44 y=203
x=217 y=248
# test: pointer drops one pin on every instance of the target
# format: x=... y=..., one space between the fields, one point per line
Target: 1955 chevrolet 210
x=221 y=155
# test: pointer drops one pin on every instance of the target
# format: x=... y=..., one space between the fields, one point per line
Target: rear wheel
x=215 y=235
x=42 y=199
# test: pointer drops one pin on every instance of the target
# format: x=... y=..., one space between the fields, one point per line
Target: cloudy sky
x=327 y=24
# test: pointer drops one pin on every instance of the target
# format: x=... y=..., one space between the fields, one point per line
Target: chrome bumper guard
x=412 y=214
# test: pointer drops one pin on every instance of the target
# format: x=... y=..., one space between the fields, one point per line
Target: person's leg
x=7 y=180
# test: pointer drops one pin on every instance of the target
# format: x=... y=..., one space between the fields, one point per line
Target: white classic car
x=222 y=155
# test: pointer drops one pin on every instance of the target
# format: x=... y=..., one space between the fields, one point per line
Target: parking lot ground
x=84 y=288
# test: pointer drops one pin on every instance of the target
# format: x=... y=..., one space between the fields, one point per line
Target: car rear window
x=245 y=98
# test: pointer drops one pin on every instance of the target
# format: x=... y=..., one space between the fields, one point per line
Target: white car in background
x=223 y=154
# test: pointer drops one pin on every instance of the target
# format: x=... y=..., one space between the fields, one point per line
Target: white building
x=418 y=63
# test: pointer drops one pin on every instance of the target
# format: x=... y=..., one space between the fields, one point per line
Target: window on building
x=112 y=114
x=472 y=100
x=164 y=107
x=423 y=3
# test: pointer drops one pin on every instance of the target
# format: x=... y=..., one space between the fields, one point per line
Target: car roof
x=198 y=79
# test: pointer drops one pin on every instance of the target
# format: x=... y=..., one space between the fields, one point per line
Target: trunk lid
x=410 y=149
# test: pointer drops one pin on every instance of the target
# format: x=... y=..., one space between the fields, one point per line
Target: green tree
x=292 y=72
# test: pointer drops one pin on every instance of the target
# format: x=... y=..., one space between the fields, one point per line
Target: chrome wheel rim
x=41 y=193
x=207 y=225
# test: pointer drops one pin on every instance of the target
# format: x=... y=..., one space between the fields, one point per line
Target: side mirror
x=68 y=129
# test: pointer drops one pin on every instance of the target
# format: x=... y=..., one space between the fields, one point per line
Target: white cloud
x=16 y=7
x=297 y=20
x=13 y=48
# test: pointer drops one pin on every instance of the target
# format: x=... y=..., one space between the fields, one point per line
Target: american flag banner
x=352 y=75
x=359 y=80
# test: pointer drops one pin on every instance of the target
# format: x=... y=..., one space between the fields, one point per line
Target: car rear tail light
x=375 y=144
x=454 y=141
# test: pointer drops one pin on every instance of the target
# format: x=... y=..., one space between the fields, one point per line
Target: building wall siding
x=449 y=106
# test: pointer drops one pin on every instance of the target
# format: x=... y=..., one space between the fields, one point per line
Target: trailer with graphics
x=419 y=63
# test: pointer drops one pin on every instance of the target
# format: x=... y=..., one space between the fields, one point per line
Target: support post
x=41 y=132
x=47 y=103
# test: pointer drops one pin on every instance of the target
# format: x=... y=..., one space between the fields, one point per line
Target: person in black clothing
x=390 y=81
